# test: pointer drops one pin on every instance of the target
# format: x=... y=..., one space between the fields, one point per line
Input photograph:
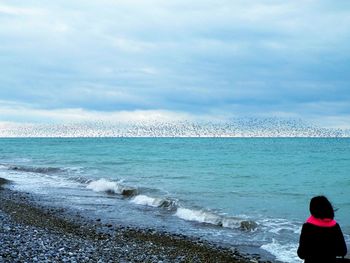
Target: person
x=321 y=239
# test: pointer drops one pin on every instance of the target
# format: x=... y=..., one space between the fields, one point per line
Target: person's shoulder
x=309 y=226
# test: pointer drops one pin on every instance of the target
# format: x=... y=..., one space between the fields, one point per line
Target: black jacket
x=321 y=244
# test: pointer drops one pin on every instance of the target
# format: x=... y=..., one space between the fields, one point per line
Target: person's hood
x=324 y=222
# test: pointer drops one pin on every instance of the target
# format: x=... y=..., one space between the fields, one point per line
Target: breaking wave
x=111 y=187
x=166 y=203
x=4 y=181
x=200 y=216
x=208 y=217
x=30 y=169
x=170 y=204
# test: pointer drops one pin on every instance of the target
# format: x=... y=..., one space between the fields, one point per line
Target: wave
x=166 y=203
x=111 y=187
x=80 y=179
x=212 y=218
x=117 y=188
x=200 y=216
x=4 y=181
x=31 y=169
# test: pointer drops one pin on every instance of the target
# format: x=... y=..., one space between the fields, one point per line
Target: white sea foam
x=212 y=218
x=36 y=182
x=167 y=203
x=147 y=200
x=198 y=215
x=233 y=223
x=283 y=252
x=103 y=185
x=280 y=226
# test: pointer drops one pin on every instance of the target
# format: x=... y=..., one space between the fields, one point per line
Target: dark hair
x=321 y=208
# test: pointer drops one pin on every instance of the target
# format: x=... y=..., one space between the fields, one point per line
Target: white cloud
x=129 y=45
x=26 y=113
x=227 y=56
x=20 y=11
x=333 y=122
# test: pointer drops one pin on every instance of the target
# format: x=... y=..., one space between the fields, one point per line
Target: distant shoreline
x=48 y=233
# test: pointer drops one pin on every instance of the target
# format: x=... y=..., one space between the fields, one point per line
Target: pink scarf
x=325 y=222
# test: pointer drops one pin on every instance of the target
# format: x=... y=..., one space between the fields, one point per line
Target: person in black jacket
x=321 y=239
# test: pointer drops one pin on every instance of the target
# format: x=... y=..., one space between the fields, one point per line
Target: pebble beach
x=31 y=232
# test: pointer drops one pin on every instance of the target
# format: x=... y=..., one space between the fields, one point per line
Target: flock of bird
x=247 y=127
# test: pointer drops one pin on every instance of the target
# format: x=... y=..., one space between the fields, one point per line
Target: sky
x=125 y=60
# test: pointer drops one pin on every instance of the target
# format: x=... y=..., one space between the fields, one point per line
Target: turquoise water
x=251 y=192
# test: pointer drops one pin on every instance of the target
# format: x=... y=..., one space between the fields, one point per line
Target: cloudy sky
x=202 y=59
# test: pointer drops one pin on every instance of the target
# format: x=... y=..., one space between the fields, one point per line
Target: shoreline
x=50 y=234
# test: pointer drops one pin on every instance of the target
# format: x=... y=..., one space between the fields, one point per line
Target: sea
x=247 y=193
